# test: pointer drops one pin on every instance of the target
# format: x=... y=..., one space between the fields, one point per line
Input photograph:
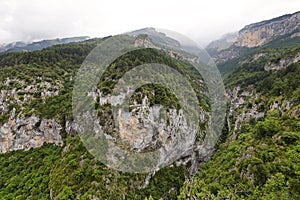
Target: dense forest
x=70 y=171
x=260 y=161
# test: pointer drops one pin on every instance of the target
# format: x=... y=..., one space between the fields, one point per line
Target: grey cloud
x=201 y=20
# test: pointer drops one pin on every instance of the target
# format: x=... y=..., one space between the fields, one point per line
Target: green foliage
x=156 y=94
x=77 y=174
x=264 y=161
x=138 y=57
x=55 y=64
x=66 y=194
x=26 y=174
x=269 y=127
x=251 y=167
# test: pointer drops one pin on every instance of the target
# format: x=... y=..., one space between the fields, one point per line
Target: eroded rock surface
x=260 y=33
x=25 y=133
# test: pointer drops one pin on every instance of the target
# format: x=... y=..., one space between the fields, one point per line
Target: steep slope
x=36 y=102
x=223 y=43
x=280 y=32
x=257 y=34
x=260 y=155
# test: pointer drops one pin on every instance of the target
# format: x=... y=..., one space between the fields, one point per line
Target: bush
x=266 y=128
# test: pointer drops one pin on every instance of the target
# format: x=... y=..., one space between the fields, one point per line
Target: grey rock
x=25 y=133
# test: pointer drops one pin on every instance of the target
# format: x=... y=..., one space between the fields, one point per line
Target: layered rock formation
x=257 y=34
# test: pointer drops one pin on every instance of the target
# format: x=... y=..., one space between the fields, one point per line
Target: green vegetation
x=57 y=64
x=26 y=174
x=156 y=94
x=70 y=172
x=138 y=57
x=263 y=162
x=77 y=173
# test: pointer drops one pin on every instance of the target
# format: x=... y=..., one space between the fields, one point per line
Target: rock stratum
x=260 y=33
x=274 y=31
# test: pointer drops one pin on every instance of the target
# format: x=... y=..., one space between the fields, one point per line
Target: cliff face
x=286 y=27
x=18 y=131
x=25 y=133
x=257 y=34
x=147 y=128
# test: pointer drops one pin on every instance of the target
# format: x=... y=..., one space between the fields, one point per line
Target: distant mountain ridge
x=23 y=47
x=260 y=33
x=283 y=30
x=223 y=43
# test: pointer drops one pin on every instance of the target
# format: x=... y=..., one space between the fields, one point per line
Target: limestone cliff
x=257 y=34
x=18 y=131
x=25 y=133
x=146 y=128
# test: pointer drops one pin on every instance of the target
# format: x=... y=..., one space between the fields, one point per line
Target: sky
x=202 y=21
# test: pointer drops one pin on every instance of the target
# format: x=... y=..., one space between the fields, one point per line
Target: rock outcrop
x=17 y=131
x=257 y=34
x=242 y=109
x=226 y=55
x=282 y=63
x=148 y=128
x=25 y=133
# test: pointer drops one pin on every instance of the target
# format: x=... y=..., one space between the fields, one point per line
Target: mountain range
x=23 y=47
x=256 y=157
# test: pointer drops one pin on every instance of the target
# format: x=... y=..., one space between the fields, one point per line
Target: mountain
x=257 y=156
x=156 y=36
x=37 y=124
x=281 y=31
x=258 y=34
x=22 y=47
x=223 y=43
x=6 y=47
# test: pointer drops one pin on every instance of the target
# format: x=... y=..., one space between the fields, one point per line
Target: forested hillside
x=257 y=157
x=69 y=171
x=260 y=157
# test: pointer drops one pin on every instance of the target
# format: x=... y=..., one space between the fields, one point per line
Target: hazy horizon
x=202 y=21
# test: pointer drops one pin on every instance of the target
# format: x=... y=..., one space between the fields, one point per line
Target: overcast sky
x=200 y=20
